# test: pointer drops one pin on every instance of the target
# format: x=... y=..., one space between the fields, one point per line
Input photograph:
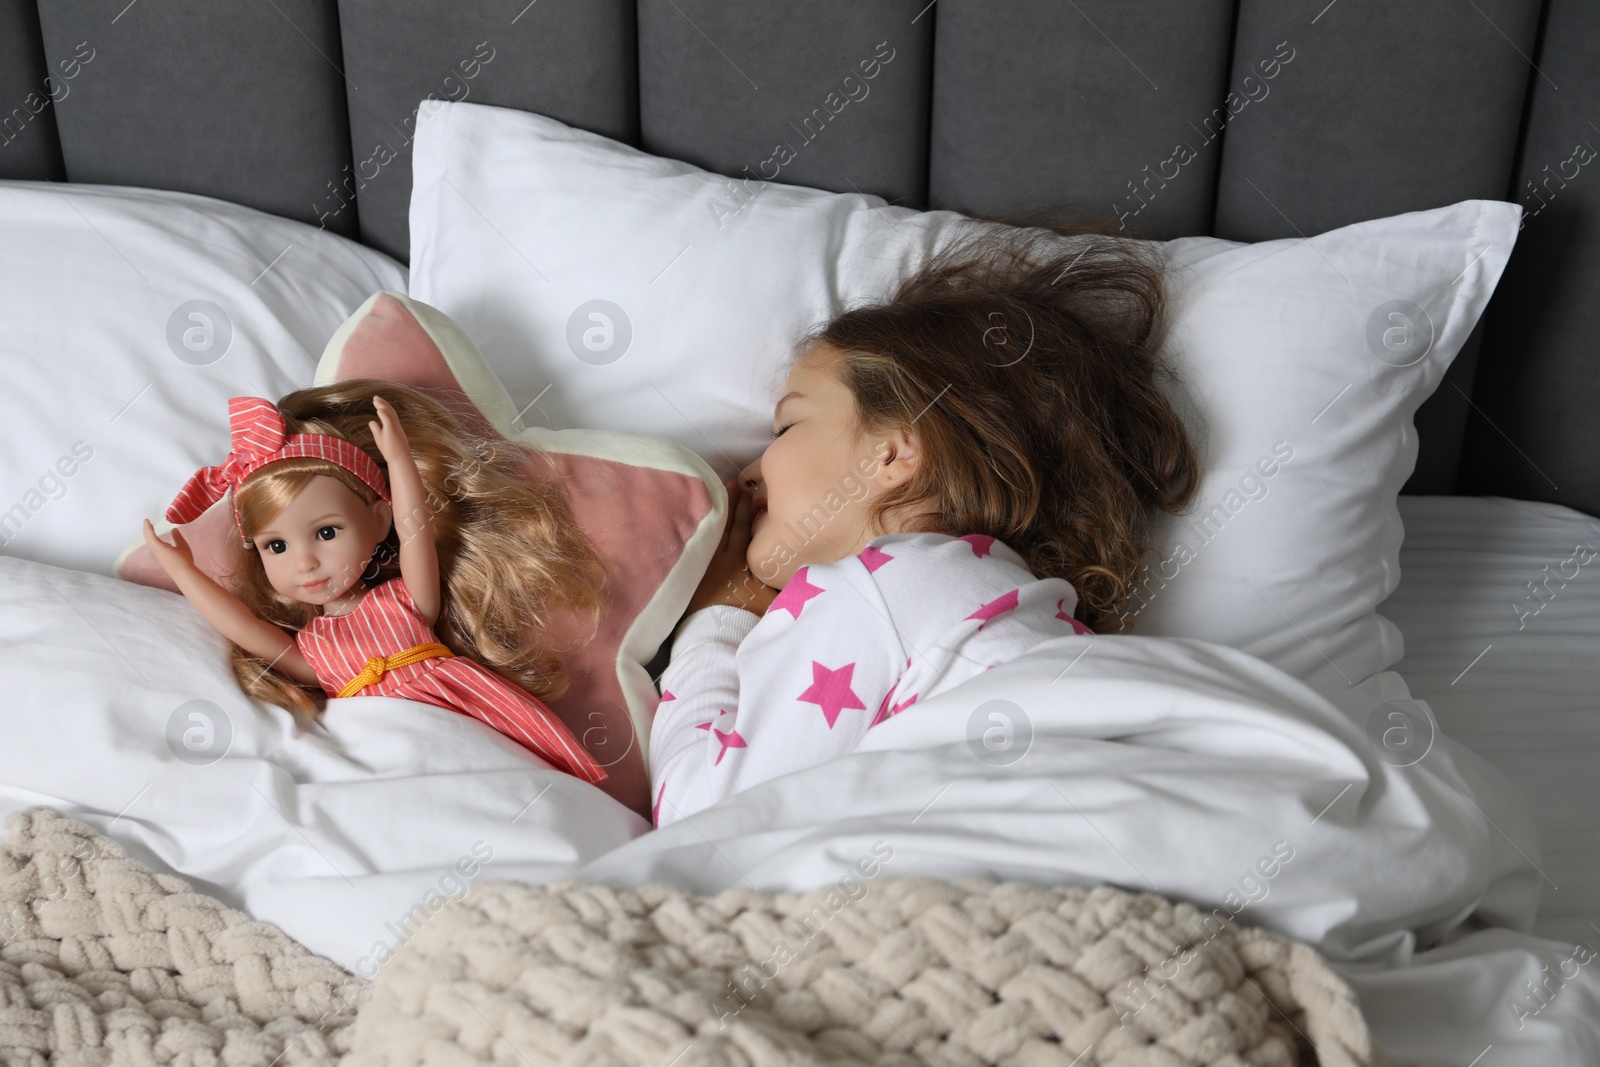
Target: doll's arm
x=413 y=521
x=228 y=613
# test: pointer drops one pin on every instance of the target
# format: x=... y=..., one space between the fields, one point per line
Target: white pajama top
x=843 y=647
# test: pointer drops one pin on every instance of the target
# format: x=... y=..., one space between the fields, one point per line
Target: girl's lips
x=315 y=586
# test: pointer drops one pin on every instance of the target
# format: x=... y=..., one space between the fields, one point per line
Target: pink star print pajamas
x=844 y=646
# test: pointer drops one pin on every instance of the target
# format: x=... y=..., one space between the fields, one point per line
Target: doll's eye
x=276 y=546
x=780 y=430
x=327 y=533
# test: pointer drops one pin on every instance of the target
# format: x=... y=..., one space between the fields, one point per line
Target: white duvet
x=1177 y=766
x=1199 y=772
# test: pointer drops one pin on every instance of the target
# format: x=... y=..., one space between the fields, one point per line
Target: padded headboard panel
x=239 y=101
x=572 y=61
x=1339 y=111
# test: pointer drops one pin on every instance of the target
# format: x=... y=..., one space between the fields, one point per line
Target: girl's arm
x=754 y=697
x=757 y=698
x=701 y=679
x=699 y=684
x=413 y=521
x=227 y=612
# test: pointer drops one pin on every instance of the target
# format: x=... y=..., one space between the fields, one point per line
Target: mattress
x=1499 y=602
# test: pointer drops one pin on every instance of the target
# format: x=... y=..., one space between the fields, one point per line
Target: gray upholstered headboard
x=1353 y=109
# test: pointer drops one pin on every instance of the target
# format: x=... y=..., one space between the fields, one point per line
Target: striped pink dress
x=386 y=621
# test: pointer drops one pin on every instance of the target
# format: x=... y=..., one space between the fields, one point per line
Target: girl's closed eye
x=780 y=430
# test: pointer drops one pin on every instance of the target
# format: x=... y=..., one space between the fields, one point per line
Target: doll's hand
x=387 y=432
x=728 y=580
x=173 y=558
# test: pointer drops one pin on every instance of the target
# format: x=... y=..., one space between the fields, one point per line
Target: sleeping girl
x=956 y=475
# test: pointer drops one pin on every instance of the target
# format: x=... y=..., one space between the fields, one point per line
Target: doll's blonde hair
x=511 y=554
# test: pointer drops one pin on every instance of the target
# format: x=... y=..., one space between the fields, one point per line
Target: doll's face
x=315 y=549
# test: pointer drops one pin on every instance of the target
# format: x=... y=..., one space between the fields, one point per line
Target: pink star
x=1077 y=627
x=830 y=690
x=980 y=543
x=795 y=594
x=655 y=812
x=874 y=557
x=666 y=695
x=707 y=724
x=998 y=606
x=885 y=711
x=731 y=739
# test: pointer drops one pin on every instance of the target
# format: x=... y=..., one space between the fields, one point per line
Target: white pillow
x=131 y=315
x=1303 y=379
x=121 y=711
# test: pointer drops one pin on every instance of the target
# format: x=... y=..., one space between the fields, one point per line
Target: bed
x=179 y=232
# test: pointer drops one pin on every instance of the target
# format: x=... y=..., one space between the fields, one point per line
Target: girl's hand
x=387 y=432
x=175 y=558
x=728 y=580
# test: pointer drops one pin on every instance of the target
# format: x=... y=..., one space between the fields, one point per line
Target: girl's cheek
x=771 y=476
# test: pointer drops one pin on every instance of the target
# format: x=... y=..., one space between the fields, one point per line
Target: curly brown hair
x=510 y=551
x=1026 y=357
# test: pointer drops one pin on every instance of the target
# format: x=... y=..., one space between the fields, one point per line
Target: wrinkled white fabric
x=1192 y=770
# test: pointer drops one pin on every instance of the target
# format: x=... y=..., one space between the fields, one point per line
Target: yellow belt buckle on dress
x=377 y=665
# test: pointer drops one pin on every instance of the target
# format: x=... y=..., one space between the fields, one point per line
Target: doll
x=320 y=602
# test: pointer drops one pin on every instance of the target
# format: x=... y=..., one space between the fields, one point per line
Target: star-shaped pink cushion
x=653 y=510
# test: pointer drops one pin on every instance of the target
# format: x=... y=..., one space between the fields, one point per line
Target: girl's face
x=315 y=549
x=811 y=486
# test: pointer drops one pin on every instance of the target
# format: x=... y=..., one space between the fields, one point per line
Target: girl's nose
x=750 y=477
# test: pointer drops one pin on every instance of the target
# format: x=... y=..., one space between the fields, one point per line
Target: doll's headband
x=260 y=437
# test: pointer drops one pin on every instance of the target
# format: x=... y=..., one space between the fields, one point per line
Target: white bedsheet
x=1522 y=691
x=1518 y=683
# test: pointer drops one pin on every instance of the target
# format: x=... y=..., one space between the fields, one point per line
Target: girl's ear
x=898 y=454
x=384 y=513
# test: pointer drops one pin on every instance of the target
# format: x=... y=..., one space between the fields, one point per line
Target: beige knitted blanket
x=104 y=963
